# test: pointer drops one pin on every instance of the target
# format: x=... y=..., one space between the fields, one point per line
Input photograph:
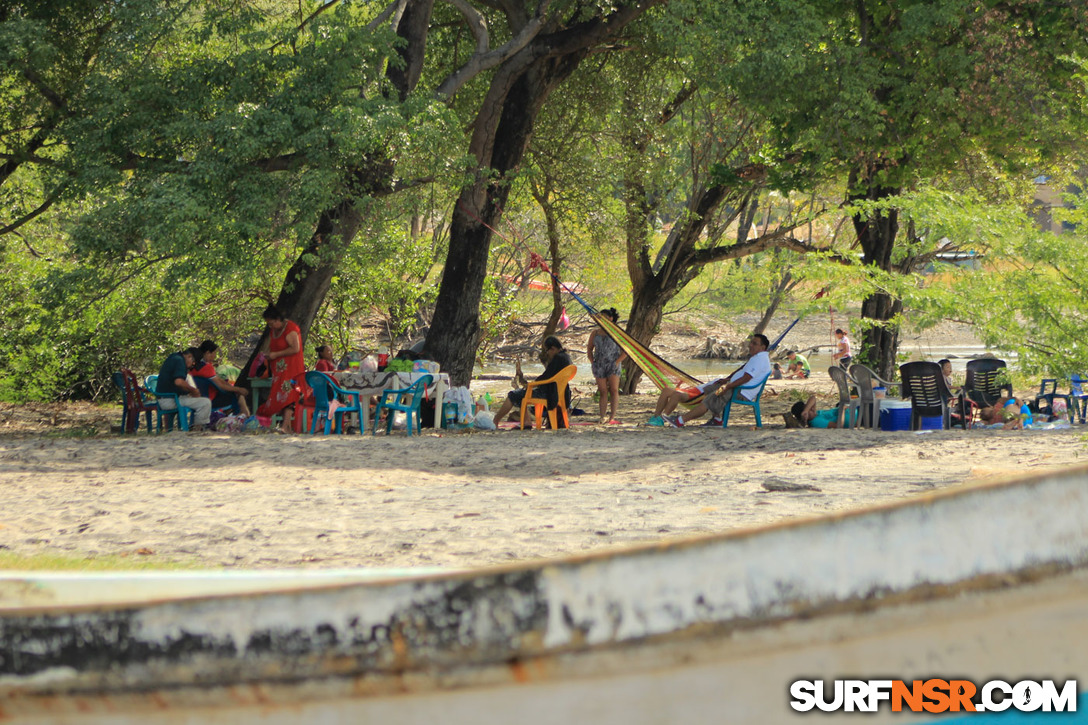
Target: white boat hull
x=979 y=583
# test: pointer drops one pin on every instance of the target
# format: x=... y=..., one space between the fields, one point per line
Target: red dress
x=288 y=374
x=325 y=366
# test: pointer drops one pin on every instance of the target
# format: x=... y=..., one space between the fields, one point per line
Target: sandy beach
x=468 y=498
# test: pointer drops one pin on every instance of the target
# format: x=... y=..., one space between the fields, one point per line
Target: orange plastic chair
x=561 y=380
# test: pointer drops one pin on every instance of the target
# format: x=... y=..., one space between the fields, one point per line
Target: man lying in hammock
x=716 y=393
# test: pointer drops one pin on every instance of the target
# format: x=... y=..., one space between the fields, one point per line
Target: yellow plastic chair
x=561 y=380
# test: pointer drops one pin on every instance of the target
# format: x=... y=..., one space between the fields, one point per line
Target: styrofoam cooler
x=894 y=415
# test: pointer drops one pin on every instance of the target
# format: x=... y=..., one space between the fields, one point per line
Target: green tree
x=898 y=94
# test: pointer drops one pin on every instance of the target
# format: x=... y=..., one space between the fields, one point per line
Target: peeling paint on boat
x=535 y=622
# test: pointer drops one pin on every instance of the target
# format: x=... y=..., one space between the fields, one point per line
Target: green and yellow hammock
x=663 y=373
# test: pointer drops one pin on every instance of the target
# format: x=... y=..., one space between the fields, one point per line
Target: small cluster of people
x=178 y=376
x=183 y=373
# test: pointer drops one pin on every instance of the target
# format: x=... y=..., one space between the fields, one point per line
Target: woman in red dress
x=287 y=365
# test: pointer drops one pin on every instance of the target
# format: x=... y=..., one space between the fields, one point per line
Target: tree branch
x=780 y=238
x=40 y=85
x=484 y=60
x=397 y=7
x=477 y=25
x=31 y=215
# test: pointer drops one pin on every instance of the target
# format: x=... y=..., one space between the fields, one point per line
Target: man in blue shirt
x=172 y=379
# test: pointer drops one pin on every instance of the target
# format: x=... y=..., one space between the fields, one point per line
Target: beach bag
x=259 y=367
x=230 y=424
x=462 y=397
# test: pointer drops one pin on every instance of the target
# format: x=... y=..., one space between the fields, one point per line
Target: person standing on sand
x=842 y=353
x=173 y=381
x=556 y=359
x=717 y=393
x=605 y=357
x=288 y=368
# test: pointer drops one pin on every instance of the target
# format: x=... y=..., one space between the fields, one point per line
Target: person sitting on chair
x=173 y=380
x=556 y=358
x=718 y=393
x=205 y=368
x=325 y=362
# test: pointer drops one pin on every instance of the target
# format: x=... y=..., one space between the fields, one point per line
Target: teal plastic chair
x=223 y=402
x=407 y=400
x=323 y=385
x=183 y=413
x=739 y=399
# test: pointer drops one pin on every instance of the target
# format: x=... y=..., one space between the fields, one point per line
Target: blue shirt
x=172 y=368
x=824 y=418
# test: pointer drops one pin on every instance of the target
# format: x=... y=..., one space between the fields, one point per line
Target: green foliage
x=387 y=273
x=62 y=338
x=183 y=153
x=14 y=561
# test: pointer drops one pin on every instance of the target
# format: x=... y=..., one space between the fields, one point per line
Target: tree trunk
x=876 y=234
x=880 y=343
x=514 y=99
x=784 y=285
x=306 y=284
x=556 y=262
x=644 y=322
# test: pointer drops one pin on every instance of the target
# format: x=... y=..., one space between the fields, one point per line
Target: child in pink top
x=324 y=360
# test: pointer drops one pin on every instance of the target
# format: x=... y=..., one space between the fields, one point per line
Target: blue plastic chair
x=739 y=399
x=407 y=400
x=323 y=385
x=204 y=385
x=183 y=413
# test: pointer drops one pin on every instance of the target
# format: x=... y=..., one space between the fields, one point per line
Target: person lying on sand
x=1006 y=413
x=805 y=415
x=718 y=393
